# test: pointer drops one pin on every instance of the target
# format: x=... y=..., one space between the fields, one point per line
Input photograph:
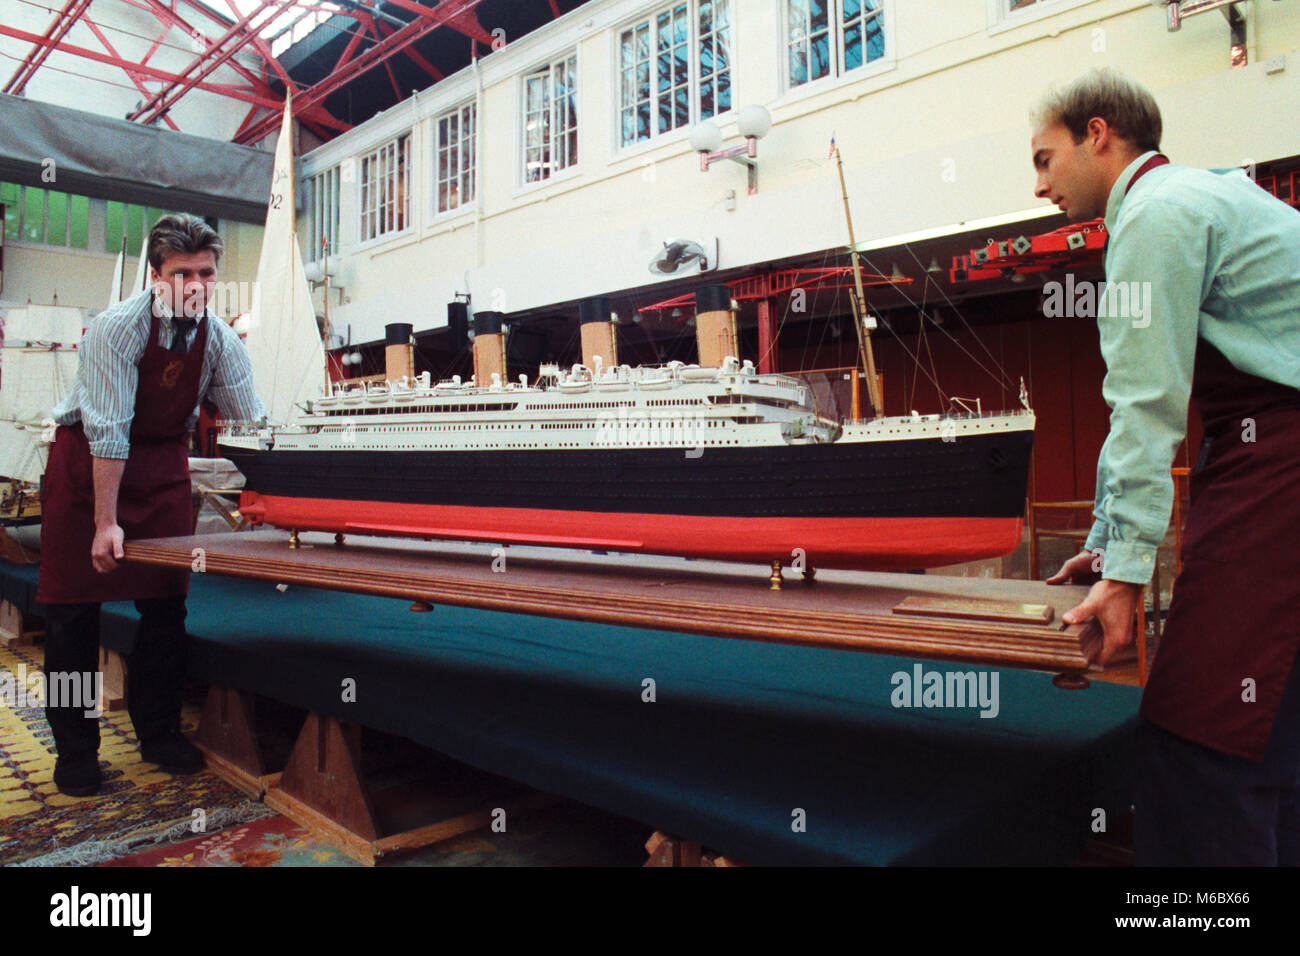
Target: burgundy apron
x=154 y=500
x=1235 y=614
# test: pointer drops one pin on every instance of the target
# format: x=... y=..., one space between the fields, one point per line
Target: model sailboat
x=284 y=341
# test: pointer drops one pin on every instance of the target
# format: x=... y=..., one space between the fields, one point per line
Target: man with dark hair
x=118 y=470
x=1216 y=261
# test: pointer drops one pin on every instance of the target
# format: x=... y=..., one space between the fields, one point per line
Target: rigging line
x=912 y=355
x=925 y=301
x=953 y=306
x=964 y=350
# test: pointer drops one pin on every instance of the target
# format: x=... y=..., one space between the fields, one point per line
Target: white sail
x=38 y=366
x=45 y=323
x=115 y=292
x=283 y=338
x=34 y=380
x=23 y=452
x=141 y=270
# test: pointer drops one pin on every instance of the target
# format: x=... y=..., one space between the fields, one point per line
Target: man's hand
x=106 y=549
x=1114 y=605
x=1084 y=568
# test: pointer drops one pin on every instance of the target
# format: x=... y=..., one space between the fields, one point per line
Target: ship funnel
x=715 y=325
x=399 y=356
x=489 y=348
x=598 y=336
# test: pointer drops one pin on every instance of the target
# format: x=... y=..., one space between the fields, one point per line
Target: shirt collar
x=1118 y=191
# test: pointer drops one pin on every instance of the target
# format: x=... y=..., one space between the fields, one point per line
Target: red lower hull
x=869 y=544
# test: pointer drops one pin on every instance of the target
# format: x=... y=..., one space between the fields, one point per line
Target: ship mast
x=865 y=354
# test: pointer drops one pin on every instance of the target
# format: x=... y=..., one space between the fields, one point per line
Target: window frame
x=837 y=75
x=569 y=60
x=332 y=175
x=435 y=151
x=373 y=154
x=694 y=82
x=1002 y=18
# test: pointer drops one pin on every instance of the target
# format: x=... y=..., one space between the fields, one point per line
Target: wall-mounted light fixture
x=753 y=123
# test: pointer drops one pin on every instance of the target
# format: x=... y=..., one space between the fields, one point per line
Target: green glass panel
x=78 y=222
x=33 y=215
x=56 y=229
x=114 y=218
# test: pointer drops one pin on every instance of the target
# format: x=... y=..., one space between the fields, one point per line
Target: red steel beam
x=367 y=60
x=224 y=89
x=49 y=41
x=206 y=63
x=167 y=16
x=135 y=77
x=414 y=56
x=466 y=23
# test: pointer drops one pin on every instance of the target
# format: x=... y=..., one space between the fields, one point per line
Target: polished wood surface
x=862 y=611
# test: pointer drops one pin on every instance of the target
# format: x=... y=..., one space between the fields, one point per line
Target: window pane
x=853 y=46
x=818 y=18
x=79 y=222
x=56 y=217
x=113 y=226
x=10 y=196
x=33 y=215
x=135 y=228
x=820 y=56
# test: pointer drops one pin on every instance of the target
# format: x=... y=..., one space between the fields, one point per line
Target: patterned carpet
x=35 y=819
x=144 y=817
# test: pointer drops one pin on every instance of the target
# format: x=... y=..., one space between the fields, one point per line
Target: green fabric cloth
x=740 y=737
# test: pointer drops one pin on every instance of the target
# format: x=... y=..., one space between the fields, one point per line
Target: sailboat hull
x=878 y=505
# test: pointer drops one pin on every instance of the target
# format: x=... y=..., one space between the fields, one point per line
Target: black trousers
x=155 y=671
x=1200 y=807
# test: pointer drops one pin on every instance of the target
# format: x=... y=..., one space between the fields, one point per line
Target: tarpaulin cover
x=92 y=155
x=743 y=742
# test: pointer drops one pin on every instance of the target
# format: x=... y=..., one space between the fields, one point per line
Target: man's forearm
x=108 y=479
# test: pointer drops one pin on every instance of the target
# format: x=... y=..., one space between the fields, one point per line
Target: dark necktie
x=181 y=329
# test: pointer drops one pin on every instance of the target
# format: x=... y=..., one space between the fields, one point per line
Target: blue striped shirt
x=103 y=395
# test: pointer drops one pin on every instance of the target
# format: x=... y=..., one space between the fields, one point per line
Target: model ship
x=707 y=460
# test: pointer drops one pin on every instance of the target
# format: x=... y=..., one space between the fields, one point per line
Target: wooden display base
x=227 y=739
x=322 y=787
x=15 y=631
x=113 y=666
x=991 y=622
x=667 y=850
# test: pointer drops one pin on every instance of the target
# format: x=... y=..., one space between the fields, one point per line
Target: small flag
x=834 y=149
x=1024 y=393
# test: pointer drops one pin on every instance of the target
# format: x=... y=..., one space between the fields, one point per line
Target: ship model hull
x=869 y=505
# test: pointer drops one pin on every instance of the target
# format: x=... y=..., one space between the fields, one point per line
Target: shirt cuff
x=109 y=448
x=1097 y=537
x=1130 y=561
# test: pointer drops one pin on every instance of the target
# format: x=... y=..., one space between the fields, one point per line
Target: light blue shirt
x=103 y=395
x=1196 y=252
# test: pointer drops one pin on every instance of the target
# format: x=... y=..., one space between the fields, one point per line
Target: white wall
x=936 y=136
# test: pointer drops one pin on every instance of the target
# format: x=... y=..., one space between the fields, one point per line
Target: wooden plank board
x=856 y=612
x=976 y=610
